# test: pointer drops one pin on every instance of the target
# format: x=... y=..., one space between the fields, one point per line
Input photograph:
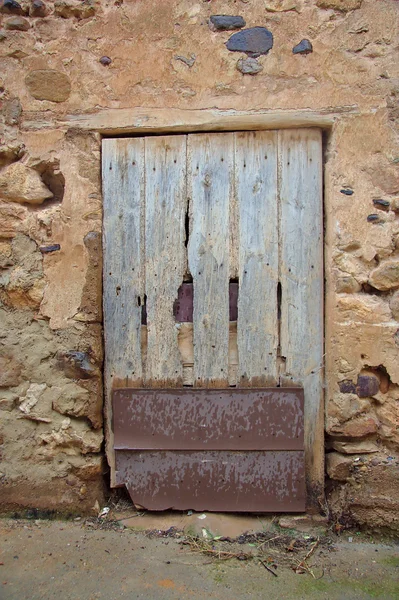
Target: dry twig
x=303 y=566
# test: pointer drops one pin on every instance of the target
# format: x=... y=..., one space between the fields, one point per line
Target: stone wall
x=68 y=63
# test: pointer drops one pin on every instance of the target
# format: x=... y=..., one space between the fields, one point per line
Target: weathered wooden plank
x=214 y=480
x=123 y=192
x=210 y=187
x=201 y=419
x=117 y=121
x=257 y=324
x=301 y=276
x=165 y=211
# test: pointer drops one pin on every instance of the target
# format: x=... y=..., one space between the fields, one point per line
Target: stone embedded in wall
x=71 y=440
x=11 y=7
x=387 y=179
x=373 y=218
x=6 y=258
x=17 y=24
x=22 y=286
x=348 y=244
x=105 y=61
x=341 y=5
x=8 y=400
x=189 y=62
x=11 y=219
x=10 y=151
x=347 y=192
x=75 y=8
x=75 y=401
x=254 y=41
x=381 y=204
x=304 y=47
x=50 y=249
x=70 y=400
x=37 y=8
x=76 y=365
x=88 y=470
x=358 y=447
x=347 y=387
x=365 y=308
x=48 y=84
x=386 y=276
x=225 y=22
x=94 y=407
x=19 y=183
x=342 y=407
x=359 y=427
x=346 y=284
x=375 y=499
x=367 y=385
x=10 y=369
x=394 y=305
x=249 y=66
x=338 y=467
x=12 y=111
x=91 y=304
x=32 y=397
x=351 y=265
x=283 y=5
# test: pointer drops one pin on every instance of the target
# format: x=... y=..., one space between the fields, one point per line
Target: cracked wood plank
x=301 y=276
x=123 y=190
x=166 y=204
x=256 y=189
x=210 y=188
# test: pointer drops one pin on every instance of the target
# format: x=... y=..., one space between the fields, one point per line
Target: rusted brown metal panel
x=204 y=419
x=214 y=480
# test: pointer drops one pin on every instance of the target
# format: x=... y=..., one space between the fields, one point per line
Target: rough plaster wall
x=82 y=57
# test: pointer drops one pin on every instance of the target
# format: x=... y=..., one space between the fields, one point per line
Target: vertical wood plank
x=256 y=189
x=123 y=193
x=166 y=201
x=301 y=276
x=210 y=187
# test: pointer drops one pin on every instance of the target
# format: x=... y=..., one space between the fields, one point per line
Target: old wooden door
x=218 y=210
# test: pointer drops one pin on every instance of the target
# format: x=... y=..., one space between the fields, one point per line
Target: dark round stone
x=105 y=60
x=373 y=218
x=37 y=9
x=381 y=204
x=226 y=22
x=11 y=7
x=304 y=47
x=347 y=192
x=254 y=41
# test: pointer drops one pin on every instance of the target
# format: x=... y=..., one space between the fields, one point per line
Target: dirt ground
x=94 y=559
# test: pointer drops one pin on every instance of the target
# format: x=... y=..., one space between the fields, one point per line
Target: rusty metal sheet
x=203 y=419
x=214 y=480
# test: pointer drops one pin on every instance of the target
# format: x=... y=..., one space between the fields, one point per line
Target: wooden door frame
x=141 y=122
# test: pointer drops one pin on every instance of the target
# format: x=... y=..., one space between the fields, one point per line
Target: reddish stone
x=360 y=427
x=10 y=370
